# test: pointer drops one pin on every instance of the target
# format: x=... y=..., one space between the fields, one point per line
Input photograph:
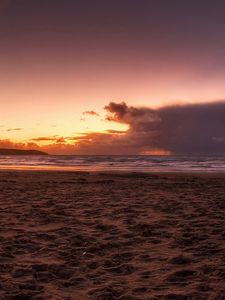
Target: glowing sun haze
x=63 y=61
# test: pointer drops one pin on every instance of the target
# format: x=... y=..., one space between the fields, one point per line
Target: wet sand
x=70 y=235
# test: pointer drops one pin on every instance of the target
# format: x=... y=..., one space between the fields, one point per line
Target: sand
x=68 y=235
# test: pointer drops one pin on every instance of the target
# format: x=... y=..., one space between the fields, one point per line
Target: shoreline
x=113 y=172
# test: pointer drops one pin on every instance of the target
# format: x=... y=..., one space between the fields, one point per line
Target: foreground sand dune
x=111 y=236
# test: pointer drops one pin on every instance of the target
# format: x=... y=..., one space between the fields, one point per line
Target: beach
x=106 y=236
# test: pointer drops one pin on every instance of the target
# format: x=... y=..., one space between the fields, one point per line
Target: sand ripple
x=111 y=236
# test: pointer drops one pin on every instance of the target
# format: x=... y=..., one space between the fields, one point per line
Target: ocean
x=134 y=163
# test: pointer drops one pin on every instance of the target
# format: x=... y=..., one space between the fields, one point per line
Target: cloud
x=14 y=129
x=61 y=140
x=6 y=143
x=120 y=112
x=115 y=131
x=102 y=144
x=179 y=129
x=55 y=139
x=91 y=113
x=183 y=130
x=44 y=139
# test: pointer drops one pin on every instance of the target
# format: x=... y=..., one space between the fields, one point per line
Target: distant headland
x=21 y=152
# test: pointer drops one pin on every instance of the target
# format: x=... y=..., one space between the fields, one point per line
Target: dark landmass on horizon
x=21 y=152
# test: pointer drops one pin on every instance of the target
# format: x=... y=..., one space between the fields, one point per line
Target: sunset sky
x=97 y=76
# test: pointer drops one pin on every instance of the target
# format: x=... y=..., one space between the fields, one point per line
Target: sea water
x=133 y=163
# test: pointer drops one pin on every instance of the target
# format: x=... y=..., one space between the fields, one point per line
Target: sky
x=68 y=67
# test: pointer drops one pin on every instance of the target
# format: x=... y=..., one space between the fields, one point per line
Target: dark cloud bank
x=186 y=129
